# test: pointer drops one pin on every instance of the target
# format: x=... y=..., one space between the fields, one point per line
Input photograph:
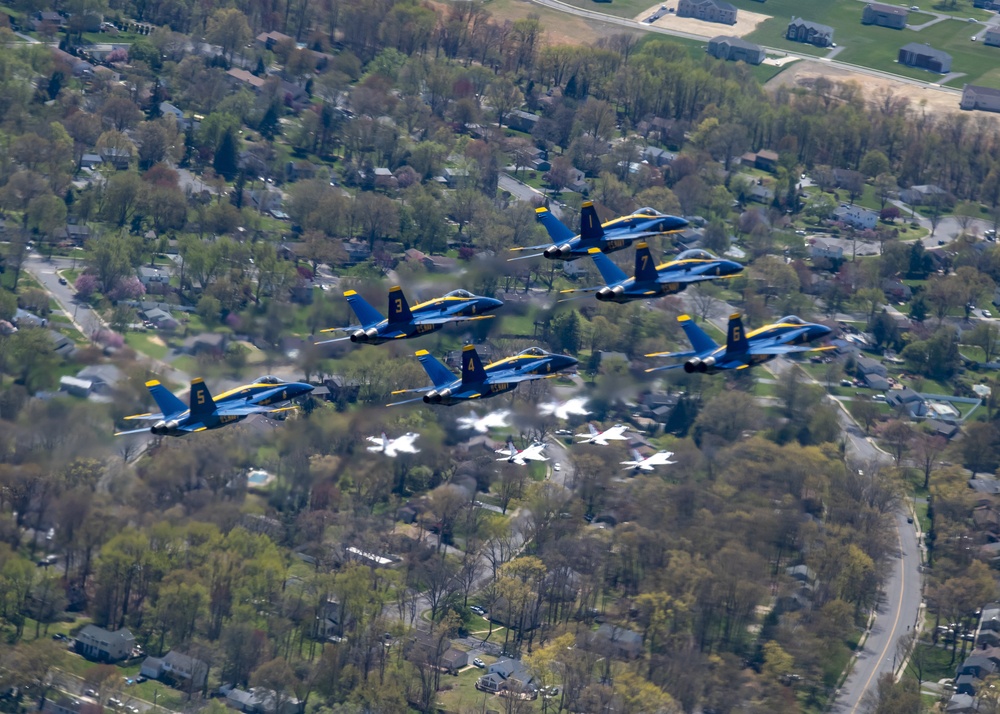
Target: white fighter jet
x=393 y=447
x=660 y=458
x=521 y=457
x=615 y=433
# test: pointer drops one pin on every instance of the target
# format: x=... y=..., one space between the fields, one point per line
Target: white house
x=857 y=216
x=821 y=248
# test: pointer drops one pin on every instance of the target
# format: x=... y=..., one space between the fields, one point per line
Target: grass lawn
x=937 y=661
x=460 y=693
x=148 y=344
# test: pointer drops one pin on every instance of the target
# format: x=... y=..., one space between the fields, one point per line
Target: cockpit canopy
x=647 y=211
x=533 y=352
x=460 y=294
x=268 y=379
x=792 y=320
x=696 y=254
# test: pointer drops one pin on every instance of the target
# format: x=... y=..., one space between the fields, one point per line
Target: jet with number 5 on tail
x=653 y=281
x=405 y=321
x=475 y=382
x=744 y=349
x=203 y=412
x=607 y=238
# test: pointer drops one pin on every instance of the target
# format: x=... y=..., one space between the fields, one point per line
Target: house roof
x=981 y=91
x=735 y=42
x=619 y=634
x=817 y=27
x=927 y=51
x=100 y=633
x=243 y=76
x=107 y=373
x=721 y=4
x=179 y=660
x=158 y=314
x=888 y=9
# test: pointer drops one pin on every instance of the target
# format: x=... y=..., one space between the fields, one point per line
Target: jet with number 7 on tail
x=405 y=321
x=203 y=412
x=653 y=281
x=475 y=382
x=744 y=349
x=607 y=237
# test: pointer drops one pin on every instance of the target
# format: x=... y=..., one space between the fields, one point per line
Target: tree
x=504 y=96
x=925 y=449
x=874 y=163
x=229 y=29
x=986 y=336
x=226 y=159
x=898 y=436
x=866 y=412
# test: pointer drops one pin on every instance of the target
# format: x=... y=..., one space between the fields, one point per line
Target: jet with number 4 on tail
x=744 y=349
x=533 y=360
x=475 y=382
x=615 y=433
x=521 y=457
x=660 y=458
x=405 y=321
x=653 y=281
x=607 y=238
x=203 y=412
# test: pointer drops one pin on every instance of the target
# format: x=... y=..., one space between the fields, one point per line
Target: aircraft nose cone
x=822 y=330
x=303 y=387
x=493 y=303
x=731 y=267
x=674 y=223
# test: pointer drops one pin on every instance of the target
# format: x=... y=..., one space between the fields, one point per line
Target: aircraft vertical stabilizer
x=611 y=273
x=557 y=231
x=590 y=225
x=472 y=366
x=365 y=312
x=700 y=341
x=736 y=336
x=202 y=403
x=399 y=309
x=645 y=267
x=440 y=375
x=167 y=402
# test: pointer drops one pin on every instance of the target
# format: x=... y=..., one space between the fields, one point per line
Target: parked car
x=115 y=703
x=478 y=610
x=478 y=663
x=59 y=636
x=63 y=281
x=140 y=679
x=878 y=398
x=557 y=467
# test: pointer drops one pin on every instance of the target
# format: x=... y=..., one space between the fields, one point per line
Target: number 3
x=399 y=305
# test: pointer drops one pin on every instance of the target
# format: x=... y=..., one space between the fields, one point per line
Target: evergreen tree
x=226 y=161
x=55 y=84
x=236 y=196
x=270 y=126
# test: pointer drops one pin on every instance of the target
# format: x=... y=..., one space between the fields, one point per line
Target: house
x=102 y=645
x=79 y=67
x=23 y=318
x=978 y=666
x=891 y=16
x=656 y=156
x=867 y=365
x=506 y=674
x=268 y=40
x=708 y=10
x=456 y=178
x=90 y=161
x=965 y=684
x=168 y=109
x=766 y=160
x=453 y=660
x=160 y=319
x=761 y=194
x=918 y=195
x=985 y=99
x=74 y=386
x=896 y=289
x=60 y=703
x=103 y=378
x=811 y=33
x=622 y=642
x=907 y=401
x=342 y=388
x=260 y=701
x=940 y=428
x=824 y=248
x=185 y=670
x=992 y=37
x=856 y=216
x=74 y=232
x=962 y=704
x=987 y=4
x=61 y=344
x=154 y=277
x=213 y=343
x=242 y=77
x=119 y=158
x=522 y=121
x=384 y=178
x=48 y=17
x=989 y=618
x=299 y=170
x=735 y=49
x=923 y=56
x=879 y=384
x=433 y=263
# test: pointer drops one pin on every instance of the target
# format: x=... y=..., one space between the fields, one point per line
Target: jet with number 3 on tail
x=405 y=321
x=744 y=349
x=607 y=237
x=653 y=281
x=203 y=412
x=475 y=382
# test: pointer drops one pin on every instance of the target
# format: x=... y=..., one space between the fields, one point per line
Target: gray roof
x=981 y=91
x=99 y=632
x=821 y=29
x=926 y=50
x=107 y=373
x=619 y=634
x=721 y=4
x=735 y=42
x=888 y=9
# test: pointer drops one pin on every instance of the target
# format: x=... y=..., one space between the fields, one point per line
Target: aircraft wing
x=534 y=453
x=665 y=367
x=245 y=410
x=543 y=246
x=786 y=349
x=144 y=417
x=660 y=458
x=453 y=318
x=616 y=433
x=676 y=277
x=132 y=431
x=374 y=440
x=404 y=444
x=349 y=328
x=515 y=378
x=407 y=401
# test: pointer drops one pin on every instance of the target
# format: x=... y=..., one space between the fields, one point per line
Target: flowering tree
x=86 y=285
x=130 y=288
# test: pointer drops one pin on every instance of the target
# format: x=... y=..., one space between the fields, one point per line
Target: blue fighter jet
x=475 y=382
x=653 y=281
x=533 y=360
x=744 y=349
x=203 y=412
x=405 y=321
x=608 y=237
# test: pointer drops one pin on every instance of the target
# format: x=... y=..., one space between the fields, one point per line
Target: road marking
x=892 y=631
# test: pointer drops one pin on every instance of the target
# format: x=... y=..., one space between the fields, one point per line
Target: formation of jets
x=404 y=321
x=392 y=447
x=606 y=238
x=203 y=412
x=743 y=349
x=651 y=280
x=521 y=457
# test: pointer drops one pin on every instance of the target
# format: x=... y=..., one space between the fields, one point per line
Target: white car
x=478 y=663
x=557 y=467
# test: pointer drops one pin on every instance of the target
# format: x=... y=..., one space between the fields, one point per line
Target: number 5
x=201 y=397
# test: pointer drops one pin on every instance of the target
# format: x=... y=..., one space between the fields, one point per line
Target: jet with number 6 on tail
x=653 y=281
x=744 y=349
x=475 y=382
x=405 y=321
x=607 y=237
x=203 y=412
